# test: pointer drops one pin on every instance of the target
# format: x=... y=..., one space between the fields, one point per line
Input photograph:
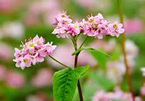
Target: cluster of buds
x=95 y=26
x=32 y=52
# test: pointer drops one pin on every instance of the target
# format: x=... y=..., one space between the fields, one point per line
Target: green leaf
x=99 y=56
x=65 y=83
x=103 y=82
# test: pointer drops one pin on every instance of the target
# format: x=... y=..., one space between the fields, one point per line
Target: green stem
x=124 y=51
x=59 y=62
x=75 y=66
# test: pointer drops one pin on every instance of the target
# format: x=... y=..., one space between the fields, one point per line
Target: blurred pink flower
x=115 y=71
x=14 y=79
x=5 y=51
x=42 y=78
x=47 y=9
x=133 y=26
x=131 y=49
x=108 y=96
x=9 y=5
x=2 y=72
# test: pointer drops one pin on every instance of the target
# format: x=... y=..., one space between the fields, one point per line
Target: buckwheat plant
x=66 y=80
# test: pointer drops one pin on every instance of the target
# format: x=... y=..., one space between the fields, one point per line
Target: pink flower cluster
x=95 y=26
x=33 y=52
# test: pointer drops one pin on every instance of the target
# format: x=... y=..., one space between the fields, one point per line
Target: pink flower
x=115 y=29
x=95 y=26
x=133 y=26
x=62 y=19
x=33 y=51
x=14 y=79
x=42 y=78
x=23 y=61
x=74 y=29
x=61 y=32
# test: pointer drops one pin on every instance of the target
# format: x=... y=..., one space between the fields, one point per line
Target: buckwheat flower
x=115 y=29
x=83 y=25
x=32 y=52
x=74 y=29
x=23 y=61
x=95 y=26
x=61 y=32
x=62 y=19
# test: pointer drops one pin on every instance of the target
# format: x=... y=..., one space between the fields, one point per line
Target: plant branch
x=124 y=52
x=59 y=62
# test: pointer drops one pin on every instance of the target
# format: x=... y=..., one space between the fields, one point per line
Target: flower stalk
x=75 y=66
x=124 y=52
x=59 y=62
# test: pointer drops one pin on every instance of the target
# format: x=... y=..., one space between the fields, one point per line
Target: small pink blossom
x=61 y=32
x=95 y=26
x=62 y=19
x=74 y=29
x=33 y=52
x=115 y=29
